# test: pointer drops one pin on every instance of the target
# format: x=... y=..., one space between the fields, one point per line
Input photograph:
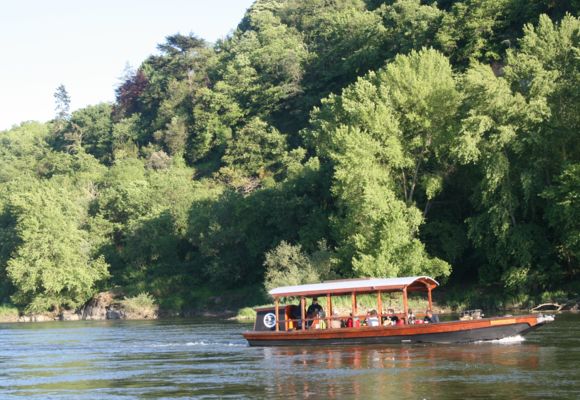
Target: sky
x=86 y=46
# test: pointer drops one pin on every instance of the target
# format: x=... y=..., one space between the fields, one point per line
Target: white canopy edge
x=353 y=285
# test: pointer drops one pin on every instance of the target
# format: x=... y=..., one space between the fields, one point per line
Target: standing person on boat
x=313 y=310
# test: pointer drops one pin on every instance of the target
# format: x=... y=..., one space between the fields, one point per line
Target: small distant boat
x=292 y=325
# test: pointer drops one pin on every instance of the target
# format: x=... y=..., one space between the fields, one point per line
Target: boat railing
x=340 y=321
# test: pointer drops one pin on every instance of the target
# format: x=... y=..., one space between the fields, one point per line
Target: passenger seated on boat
x=336 y=322
x=391 y=319
x=321 y=320
x=317 y=320
x=372 y=318
x=352 y=322
x=430 y=318
x=349 y=321
x=410 y=317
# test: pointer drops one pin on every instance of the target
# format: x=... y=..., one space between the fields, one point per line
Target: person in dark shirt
x=313 y=311
x=430 y=317
x=314 y=308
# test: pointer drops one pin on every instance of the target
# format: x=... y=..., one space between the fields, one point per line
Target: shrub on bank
x=8 y=313
x=246 y=314
x=141 y=306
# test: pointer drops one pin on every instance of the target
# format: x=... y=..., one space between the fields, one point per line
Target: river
x=210 y=359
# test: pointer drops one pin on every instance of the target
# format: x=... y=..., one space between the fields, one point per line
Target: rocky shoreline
x=111 y=305
x=103 y=306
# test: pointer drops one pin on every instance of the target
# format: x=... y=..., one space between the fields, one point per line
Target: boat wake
x=545 y=318
x=199 y=343
x=508 y=340
x=204 y=343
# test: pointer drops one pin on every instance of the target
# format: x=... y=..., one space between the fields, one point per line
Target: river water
x=210 y=359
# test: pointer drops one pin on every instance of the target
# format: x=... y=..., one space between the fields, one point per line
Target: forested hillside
x=322 y=139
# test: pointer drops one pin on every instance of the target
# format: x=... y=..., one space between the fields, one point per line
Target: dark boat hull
x=445 y=332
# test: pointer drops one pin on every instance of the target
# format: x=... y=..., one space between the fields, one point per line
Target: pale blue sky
x=86 y=45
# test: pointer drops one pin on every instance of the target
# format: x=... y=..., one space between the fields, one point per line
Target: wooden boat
x=290 y=325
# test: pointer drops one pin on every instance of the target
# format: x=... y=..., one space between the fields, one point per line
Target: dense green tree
x=287 y=265
x=410 y=25
x=517 y=135
x=91 y=129
x=21 y=149
x=256 y=149
x=563 y=214
x=408 y=107
x=379 y=134
x=125 y=138
x=469 y=31
x=53 y=264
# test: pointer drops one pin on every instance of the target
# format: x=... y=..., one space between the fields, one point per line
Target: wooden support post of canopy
x=429 y=299
x=405 y=305
x=380 y=307
x=354 y=310
x=329 y=311
x=303 y=311
x=276 y=308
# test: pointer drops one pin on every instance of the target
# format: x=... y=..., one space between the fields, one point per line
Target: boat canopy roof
x=364 y=285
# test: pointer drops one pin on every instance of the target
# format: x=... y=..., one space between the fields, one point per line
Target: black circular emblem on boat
x=269 y=320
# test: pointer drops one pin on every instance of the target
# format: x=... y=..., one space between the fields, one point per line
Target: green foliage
x=563 y=215
x=125 y=136
x=373 y=135
x=22 y=150
x=469 y=30
x=515 y=132
x=409 y=25
x=92 y=126
x=256 y=149
x=62 y=100
x=142 y=303
x=286 y=265
x=246 y=314
x=8 y=313
x=53 y=265
x=376 y=134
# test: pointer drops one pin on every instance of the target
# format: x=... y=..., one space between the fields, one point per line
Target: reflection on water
x=414 y=370
x=417 y=370
x=210 y=359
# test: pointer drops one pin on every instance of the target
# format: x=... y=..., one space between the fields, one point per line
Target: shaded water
x=210 y=359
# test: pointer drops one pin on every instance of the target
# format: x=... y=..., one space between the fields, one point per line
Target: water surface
x=210 y=359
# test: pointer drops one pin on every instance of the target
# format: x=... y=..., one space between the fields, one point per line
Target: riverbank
x=108 y=305
x=114 y=305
